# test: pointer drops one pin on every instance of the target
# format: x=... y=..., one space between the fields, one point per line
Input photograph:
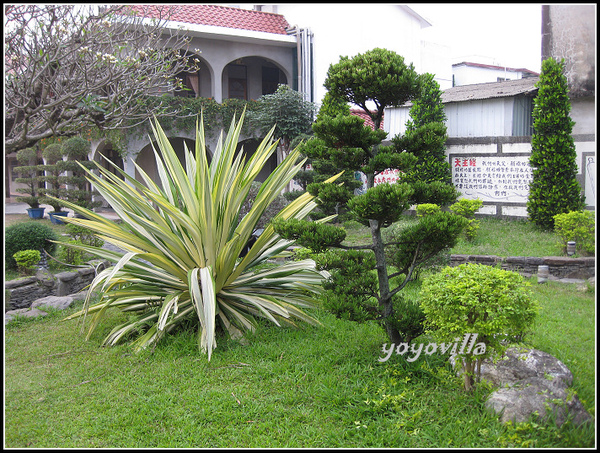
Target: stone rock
x=535 y=395
x=520 y=363
x=26 y=312
x=532 y=382
x=57 y=302
x=78 y=296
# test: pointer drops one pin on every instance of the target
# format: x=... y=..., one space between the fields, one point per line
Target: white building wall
x=346 y=29
x=469 y=75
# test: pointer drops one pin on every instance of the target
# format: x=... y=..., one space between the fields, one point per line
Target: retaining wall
x=559 y=266
x=21 y=293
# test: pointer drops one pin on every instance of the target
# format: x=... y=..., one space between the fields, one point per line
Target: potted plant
x=29 y=169
x=53 y=155
x=78 y=189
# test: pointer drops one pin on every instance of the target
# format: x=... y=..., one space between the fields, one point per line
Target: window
x=237 y=81
x=191 y=84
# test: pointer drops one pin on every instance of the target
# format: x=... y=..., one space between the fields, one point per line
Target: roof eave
x=232 y=34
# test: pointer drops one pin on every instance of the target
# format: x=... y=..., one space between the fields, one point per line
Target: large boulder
x=521 y=363
x=57 y=302
x=532 y=382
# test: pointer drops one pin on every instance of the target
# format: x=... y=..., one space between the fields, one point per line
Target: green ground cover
x=494 y=237
x=307 y=387
x=314 y=387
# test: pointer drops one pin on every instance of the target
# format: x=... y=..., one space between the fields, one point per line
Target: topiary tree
x=333 y=106
x=378 y=78
x=78 y=190
x=472 y=299
x=426 y=135
x=29 y=171
x=287 y=111
x=554 y=188
x=332 y=199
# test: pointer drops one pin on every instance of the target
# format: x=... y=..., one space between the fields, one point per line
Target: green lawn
x=494 y=237
x=311 y=387
x=308 y=387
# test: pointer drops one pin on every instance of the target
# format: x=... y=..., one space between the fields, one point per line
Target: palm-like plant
x=182 y=242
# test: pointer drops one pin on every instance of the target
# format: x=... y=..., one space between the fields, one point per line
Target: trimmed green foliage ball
x=28 y=236
x=26 y=259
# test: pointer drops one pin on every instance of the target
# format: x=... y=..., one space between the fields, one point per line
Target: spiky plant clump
x=182 y=239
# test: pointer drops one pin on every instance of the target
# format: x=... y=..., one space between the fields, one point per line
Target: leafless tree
x=68 y=67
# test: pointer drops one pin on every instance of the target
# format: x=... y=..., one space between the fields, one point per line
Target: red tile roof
x=368 y=121
x=219 y=16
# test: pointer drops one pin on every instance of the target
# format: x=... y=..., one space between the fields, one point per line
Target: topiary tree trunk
x=554 y=188
x=53 y=155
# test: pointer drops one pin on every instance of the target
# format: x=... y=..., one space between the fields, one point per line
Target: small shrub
x=28 y=236
x=466 y=208
x=273 y=209
x=352 y=286
x=71 y=255
x=476 y=299
x=426 y=209
x=26 y=260
x=578 y=226
x=83 y=235
x=408 y=318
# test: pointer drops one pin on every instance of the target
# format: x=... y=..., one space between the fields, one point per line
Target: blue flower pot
x=55 y=217
x=36 y=213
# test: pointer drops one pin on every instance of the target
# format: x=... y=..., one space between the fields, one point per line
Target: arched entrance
x=251 y=77
x=249 y=147
x=197 y=80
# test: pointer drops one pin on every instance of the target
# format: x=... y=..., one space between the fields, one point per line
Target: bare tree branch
x=69 y=67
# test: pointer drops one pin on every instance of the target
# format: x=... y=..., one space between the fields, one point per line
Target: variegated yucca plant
x=182 y=240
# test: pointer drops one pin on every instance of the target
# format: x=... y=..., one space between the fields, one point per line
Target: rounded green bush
x=26 y=259
x=28 y=236
x=578 y=226
x=492 y=303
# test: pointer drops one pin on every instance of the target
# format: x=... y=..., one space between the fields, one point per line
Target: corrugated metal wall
x=522 y=123
x=499 y=117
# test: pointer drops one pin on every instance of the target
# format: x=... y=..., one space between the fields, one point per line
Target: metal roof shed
x=493 y=109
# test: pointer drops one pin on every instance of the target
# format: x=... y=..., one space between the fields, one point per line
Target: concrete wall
x=569 y=32
x=496 y=170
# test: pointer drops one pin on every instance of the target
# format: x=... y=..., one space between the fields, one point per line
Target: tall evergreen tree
x=554 y=188
x=426 y=135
